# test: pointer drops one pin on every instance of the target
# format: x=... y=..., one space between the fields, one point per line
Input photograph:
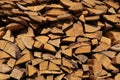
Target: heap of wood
x=59 y=40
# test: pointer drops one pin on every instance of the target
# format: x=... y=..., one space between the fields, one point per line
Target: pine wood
x=11 y=62
x=4 y=76
x=43 y=65
x=49 y=47
x=8 y=36
x=53 y=67
x=31 y=70
x=42 y=39
x=38 y=45
x=4 y=68
x=16 y=74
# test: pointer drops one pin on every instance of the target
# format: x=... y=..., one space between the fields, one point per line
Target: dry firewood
x=54 y=36
x=47 y=56
x=112 y=4
x=50 y=77
x=31 y=70
x=36 y=61
x=85 y=67
x=17 y=74
x=4 y=55
x=53 y=6
x=82 y=18
x=56 y=31
x=117 y=77
x=91 y=2
x=2 y=32
x=49 y=47
x=42 y=39
x=39 y=19
x=92 y=18
x=65 y=16
x=38 y=44
x=20 y=43
x=80 y=39
x=26 y=57
x=66 y=69
x=117 y=59
x=95 y=11
x=14 y=26
x=28 y=42
x=94 y=41
x=4 y=68
x=81 y=58
x=110 y=54
x=76 y=30
x=35 y=8
x=50 y=72
x=45 y=31
x=11 y=62
x=4 y=76
x=55 y=12
x=59 y=77
x=56 y=61
x=112 y=11
x=67 y=52
x=55 y=42
x=43 y=65
x=67 y=63
x=69 y=39
x=53 y=67
x=8 y=36
x=91 y=28
x=111 y=18
x=115 y=47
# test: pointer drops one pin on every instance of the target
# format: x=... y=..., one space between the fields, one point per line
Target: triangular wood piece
x=82 y=18
x=11 y=62
x=8 y=36
x=59 y=77
x=58 y=54
x=43 y=65
x=26 y=57
x=56 y=61
x=42 y=39
x=31 y=70
x=4 y=76
x=50 y=77
x=67 y=52
x=55 y=42
x=49 y=47
x=53 y=67
x=67 y=63
x=69 y=39
x=4 y=55
x=56 y=31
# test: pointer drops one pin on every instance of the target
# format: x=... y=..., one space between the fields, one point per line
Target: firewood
x=67 y=52
x=49 y=47
x=38 y=45
x=28 y=42
x=14 y=26
x=117 y=77
x=54 y=36
x=4 y=68
x=53 y=67
x=94 y=41
x=76 y=30
x=11 y=62
x=35 y=8
x=115 y=47
x=91 y=28
x=69 y=39
x=16 y=74
x=56 y=61
x=111 y=10
x=56 y=31
x=54 y=6
x=117 y=61
x=43 y=65
x=95 y=11
x=8 y=36
x=66 y=69
x=50 y=72
x=4 y=55
x=4 y=76
x=48 y=56
x=31 y=70
x=36 y=61
x=20 y=43
x=82 y=18
x=49 y=77
x=38 y=54
x=81 y=57
x=42 y=39
x=59 y=77
x=67 y=25
x=2 y=31
x=111 y=18
x=55 y=42
x=65 y=16
x=85 y=67
x=67 y=63
x=92 y=18
x=110 y=54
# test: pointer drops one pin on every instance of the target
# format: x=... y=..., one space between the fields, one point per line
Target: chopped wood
x=4 y=68
x=59 y=39
x=16 y=74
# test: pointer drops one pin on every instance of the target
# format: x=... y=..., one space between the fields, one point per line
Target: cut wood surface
x=59 y=40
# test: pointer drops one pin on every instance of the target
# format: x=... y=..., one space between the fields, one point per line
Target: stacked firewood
x=59 y=40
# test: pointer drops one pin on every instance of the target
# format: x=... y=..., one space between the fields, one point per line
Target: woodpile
x=59 y=40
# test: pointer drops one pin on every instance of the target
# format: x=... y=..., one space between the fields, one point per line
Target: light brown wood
x=53 y=67
x=55 y=42
x=28 y=42
x=38 y=45
x=4 y=55
x=8 y=36
x=54 y=6
x=49 y=47
x=56 y=30
x=59 y=77
x=117 y=77
x=67 y=63
x=67 y=52
x=50 y=77
x=92 y=18
x=56 y=61
x=85 y=67
x=76 y=30
x=94 y=41
x=20 y=43
x=43 y=65
x=11 y=62
x=17 y=74
x=38 y=54
x=111 y=18
x=42 y=39
x=4 y=68
x=4 y=76
x=35 y=8
x=31 y=70
x=14 y=26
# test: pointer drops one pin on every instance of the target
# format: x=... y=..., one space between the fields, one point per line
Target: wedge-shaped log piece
x=28 y=42
x=43 y=65
x=14 y=26
x=67 y=52
x=91 y=2
x=67 y=25
x=117 y=59
x=67 y=2
x=54 y=36
x=10 y=48
x=110 y=54
x=55 y=12
x=4 y=76
x=38 y=45
x=54 y=6
x=76 y=30
x=56 y=61
x=4 y=55
x=36 y=8
x=39 y=19
x=112 y=4
x=11 y=62
x=105 y=61
x=50 y=77
x=49 y=47
x=2 y=31
x=91 y=28
x=69 y=39
x=101 y=47
x=47 y=56
x=31 y=70
x=55 y=42
x=50 y=72
x=92 y=18
x=53 y=67
x=65 y=17
x=81 y=58
x=111 y=18
x=42 y=39
x=105 y=40
x=17 y=74
x=114 y=36
x=76 y=7
x=96 y=35
x=20 y=43
x=59 y=77
x=115 y=47
x=26 y=57
x=56 y=31
x=95 y=11
x=4 y=68
x=8 y=36
x=117 y=77
x=67 y=63
x=83 y=48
